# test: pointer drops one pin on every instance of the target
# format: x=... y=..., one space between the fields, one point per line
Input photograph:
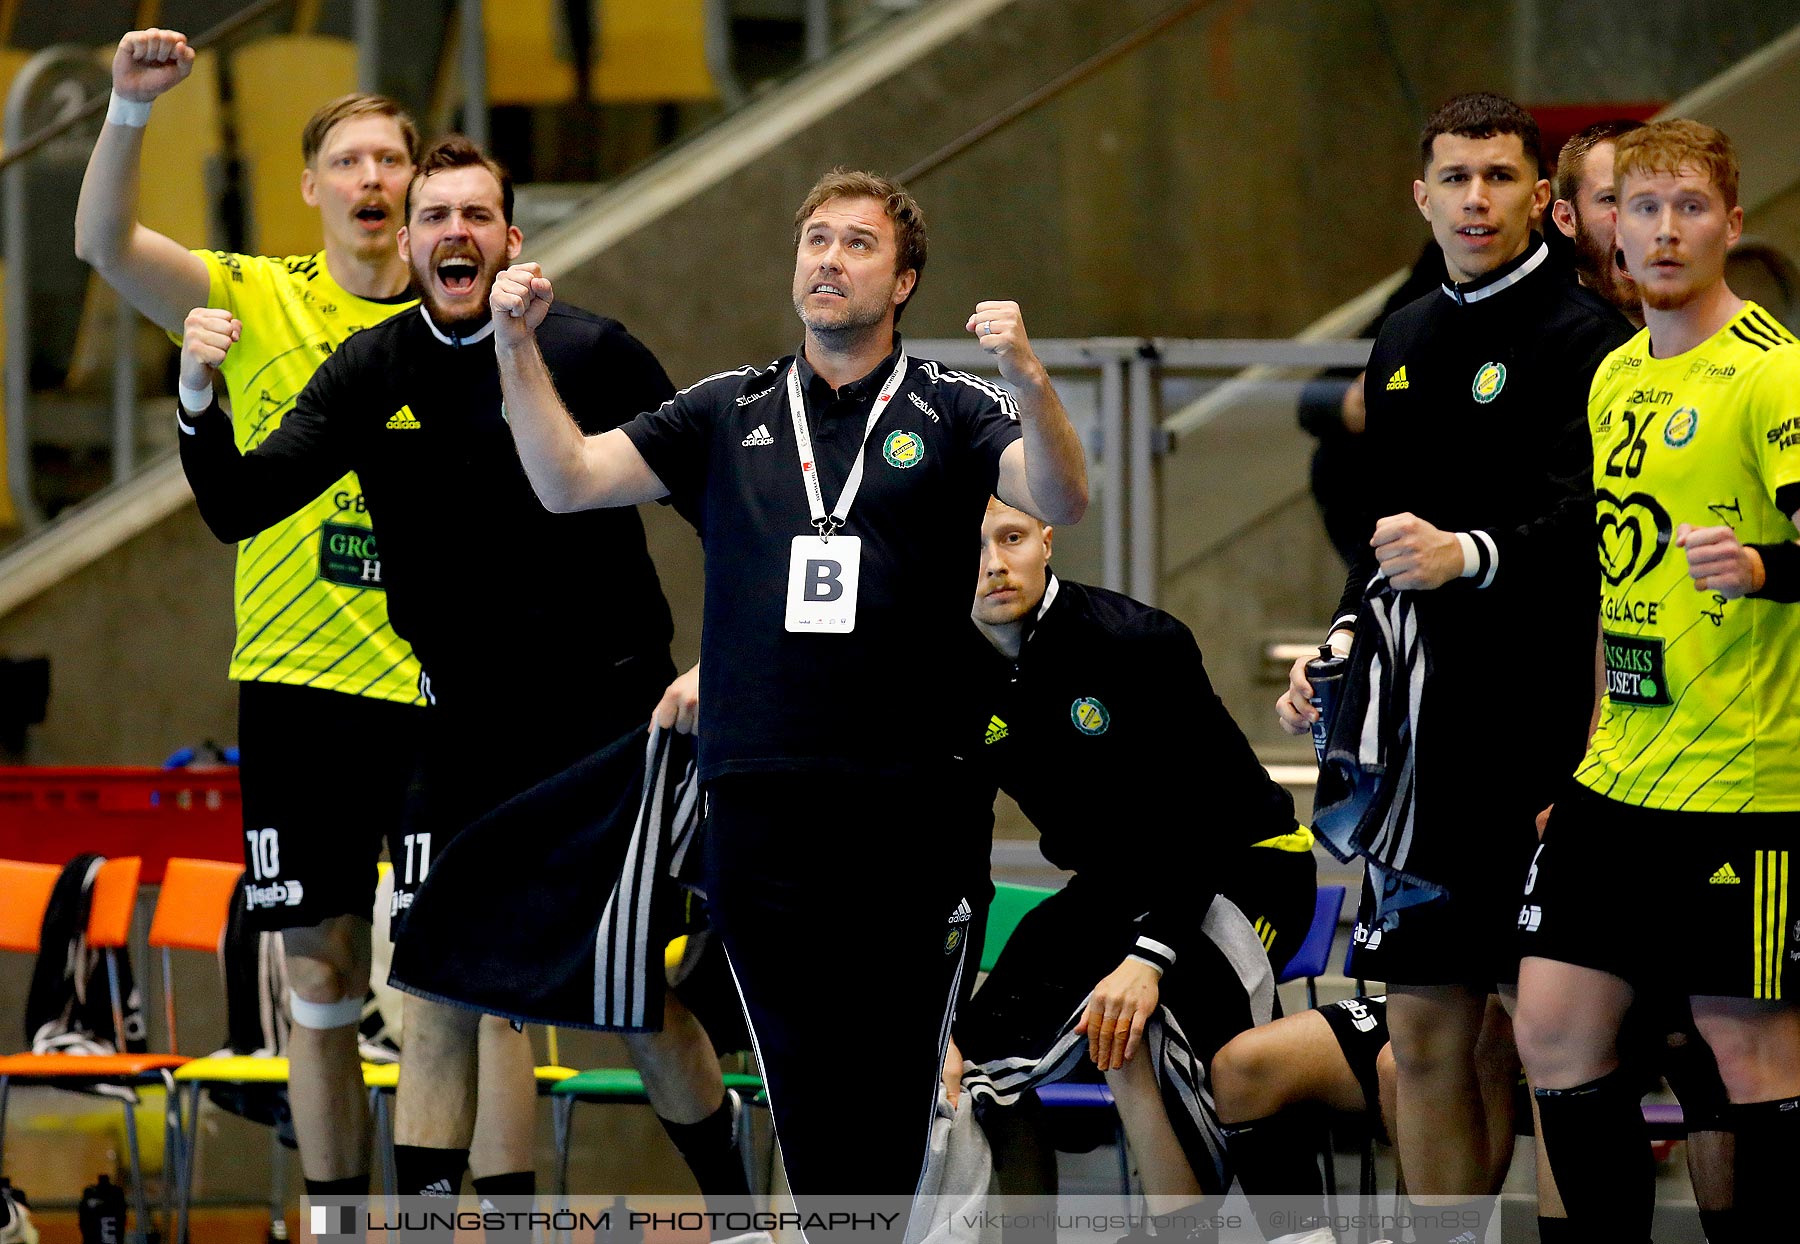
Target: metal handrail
x=18 y=267
x=1056 y=86
x=95 y=106
x=1133 y=435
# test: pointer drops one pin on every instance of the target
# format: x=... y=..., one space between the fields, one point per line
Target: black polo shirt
x=871 y=700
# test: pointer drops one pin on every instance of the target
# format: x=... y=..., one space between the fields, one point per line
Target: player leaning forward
x=1689 y=795
x=836 y=599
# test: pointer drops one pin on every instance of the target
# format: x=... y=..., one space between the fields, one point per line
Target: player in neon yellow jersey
x=320 y=672
x=1669 y=853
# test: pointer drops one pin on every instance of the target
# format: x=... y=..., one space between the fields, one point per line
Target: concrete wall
x=137 y=643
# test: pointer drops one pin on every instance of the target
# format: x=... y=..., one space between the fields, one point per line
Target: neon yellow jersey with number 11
x=311 y=606
x=1702 y=707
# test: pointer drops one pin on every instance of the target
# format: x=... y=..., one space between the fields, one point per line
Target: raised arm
x=155 y=274
x=1045 y=473
x=241 y=494
x=568 y=471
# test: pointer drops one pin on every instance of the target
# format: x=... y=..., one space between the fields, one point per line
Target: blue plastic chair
x=1314 y=955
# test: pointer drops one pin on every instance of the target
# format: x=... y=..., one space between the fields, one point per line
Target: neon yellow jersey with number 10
x=311 y=607
x=1702 y=707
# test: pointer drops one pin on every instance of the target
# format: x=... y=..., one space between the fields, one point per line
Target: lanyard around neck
x=828 y=524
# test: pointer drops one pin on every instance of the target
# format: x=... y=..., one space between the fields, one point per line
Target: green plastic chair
x=1010 y=904
x=623 y=1086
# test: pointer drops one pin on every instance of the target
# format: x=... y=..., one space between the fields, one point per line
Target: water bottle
x=1326 y=672
x=102 y=1213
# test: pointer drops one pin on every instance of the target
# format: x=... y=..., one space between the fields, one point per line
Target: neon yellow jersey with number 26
x=311 y=606
x=1702 y=707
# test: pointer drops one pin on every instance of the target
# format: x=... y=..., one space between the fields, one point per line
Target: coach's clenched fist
x=1000 y=327
x=150 y=62
x=206 y=338
x=520 y=301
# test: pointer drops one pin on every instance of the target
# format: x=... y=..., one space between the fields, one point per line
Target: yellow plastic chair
x=278 y=82
x=647 y=51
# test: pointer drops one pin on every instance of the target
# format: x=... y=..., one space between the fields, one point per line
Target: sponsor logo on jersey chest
x=1634 y=670
x=347 y=555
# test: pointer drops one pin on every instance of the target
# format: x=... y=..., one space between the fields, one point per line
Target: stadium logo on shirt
x=1090 y=716
x=996 y=729
x=1397 y=381
x=1680 y=428
x=403 y=419
x=903 y=450
x=1489 y=380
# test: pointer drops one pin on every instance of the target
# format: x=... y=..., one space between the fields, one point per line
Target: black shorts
x=1276 y=890
x=1464 y=938
x=324 y=779
x=1704 y=903
x=1361 y=1028
x=488 y=739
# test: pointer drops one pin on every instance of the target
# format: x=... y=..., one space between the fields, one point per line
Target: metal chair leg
x=140 y=1232
x=277 y=1185
x=562 y=1118
x=174 y=1151
x=189 y=1160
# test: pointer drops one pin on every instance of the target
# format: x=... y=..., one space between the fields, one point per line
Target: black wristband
x=1781 y=572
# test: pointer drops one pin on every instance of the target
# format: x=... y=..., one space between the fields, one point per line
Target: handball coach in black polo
x=1476 y=416
x=529 y=666
x=839 y=849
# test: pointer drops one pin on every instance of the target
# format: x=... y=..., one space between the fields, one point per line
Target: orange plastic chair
x=24 y=894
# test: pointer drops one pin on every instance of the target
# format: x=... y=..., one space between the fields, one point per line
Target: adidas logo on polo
x=759 y=437
x=996 y=729
x=962 y=914
x=1397 y=380
x=1726 y=876
x=404 y=418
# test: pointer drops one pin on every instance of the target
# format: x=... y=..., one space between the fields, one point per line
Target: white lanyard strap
x=827 y=524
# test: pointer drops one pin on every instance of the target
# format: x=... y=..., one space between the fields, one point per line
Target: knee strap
x=344 y=1013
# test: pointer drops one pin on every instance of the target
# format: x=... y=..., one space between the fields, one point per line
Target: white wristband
x=1471 y=558
x=194 y=401
x=127 y=112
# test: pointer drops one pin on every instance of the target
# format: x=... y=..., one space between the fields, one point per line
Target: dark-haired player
x=1475 y=414
x=524 y=678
